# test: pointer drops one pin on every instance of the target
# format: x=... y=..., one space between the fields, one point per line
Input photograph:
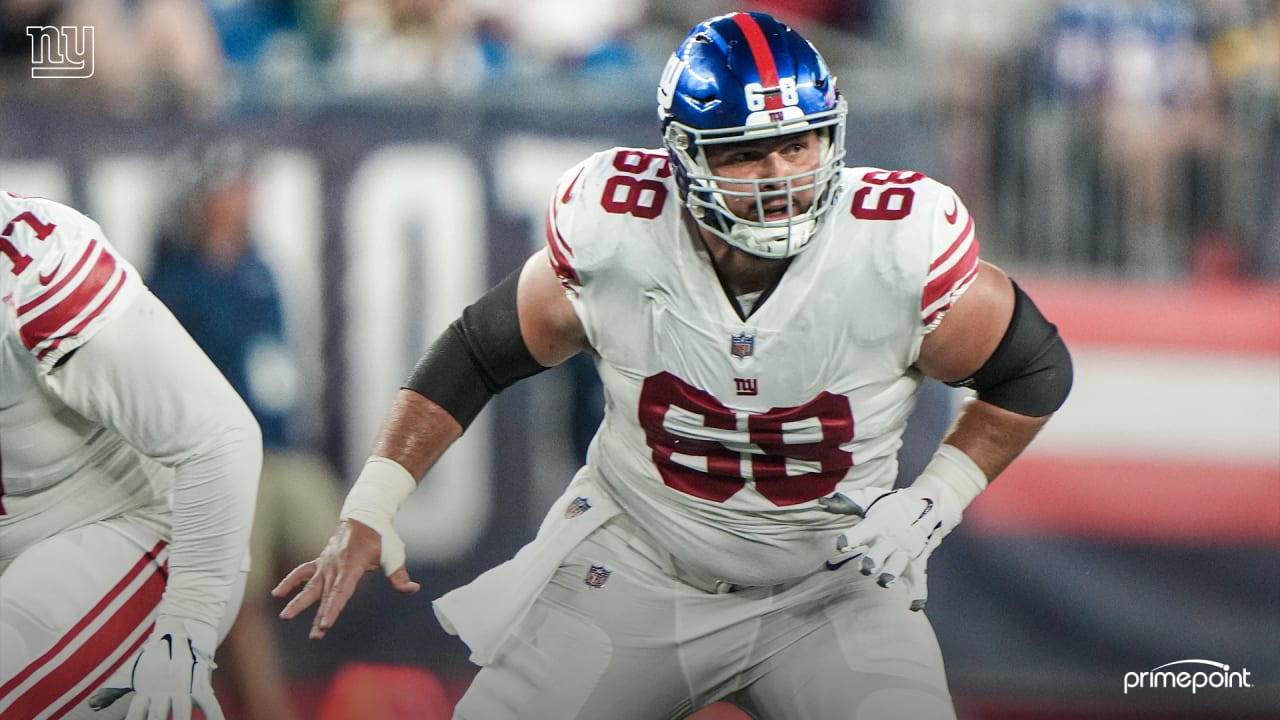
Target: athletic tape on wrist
x=954 y=473
x=379 y=491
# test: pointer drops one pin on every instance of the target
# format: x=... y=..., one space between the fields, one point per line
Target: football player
x=762 y=318
x=129 y=471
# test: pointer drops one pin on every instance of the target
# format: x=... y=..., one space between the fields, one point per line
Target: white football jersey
x=721 y=432
x=60 y=282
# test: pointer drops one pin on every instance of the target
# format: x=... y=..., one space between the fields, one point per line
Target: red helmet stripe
x=763 y=56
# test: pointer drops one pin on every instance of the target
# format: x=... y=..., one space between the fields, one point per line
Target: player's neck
x=741 y=272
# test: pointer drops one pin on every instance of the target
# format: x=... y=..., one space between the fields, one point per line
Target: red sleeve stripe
x=97 y=644
x=955 y=246
x=48 y=322
x=950 y=270
x=26 y=307
x=560 y=250
x=930 y=313
x=763 y=56
x=949 y=274
x=568 y=191
x=80 y=326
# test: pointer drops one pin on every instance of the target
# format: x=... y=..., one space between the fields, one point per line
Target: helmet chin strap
x=763 y=242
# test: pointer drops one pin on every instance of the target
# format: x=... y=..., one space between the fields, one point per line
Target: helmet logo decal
x=667 y=85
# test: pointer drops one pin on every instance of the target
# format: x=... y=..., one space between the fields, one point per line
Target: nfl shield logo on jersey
x=576 y=507
x=741 y=345
x=597 y=576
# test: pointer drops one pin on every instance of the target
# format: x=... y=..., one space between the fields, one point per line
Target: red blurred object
x=363 y=691
x=719 y=711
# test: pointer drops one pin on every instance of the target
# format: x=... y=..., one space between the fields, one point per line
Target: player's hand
x=172 y=673
x=354 y=549
x=897 y=532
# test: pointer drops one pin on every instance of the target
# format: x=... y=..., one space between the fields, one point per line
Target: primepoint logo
x=1210 y=674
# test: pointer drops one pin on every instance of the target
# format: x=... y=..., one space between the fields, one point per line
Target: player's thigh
x=73 y=610
x=588 y=650
x=865 y=656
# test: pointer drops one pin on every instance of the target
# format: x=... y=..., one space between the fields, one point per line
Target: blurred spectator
x=399 y=46
x=15 y=49
x=208 y=271
x=273 y=48
x=1102 y=155
x=156 y=56
x=1243 y=38
x=852 y=16
x=246 y=27
x=542 y=38
x=15 y=16
x=967 y=53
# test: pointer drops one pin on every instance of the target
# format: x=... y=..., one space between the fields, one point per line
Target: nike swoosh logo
x=955 y=212
x=568 y=192
x=46 y=279
x=838 y=565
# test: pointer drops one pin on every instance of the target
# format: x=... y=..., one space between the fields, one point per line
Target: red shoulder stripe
x=93 y=244
x=947 y=280
x=960 y=239
x=45 y=325
x=88 y=318
x=560 y=251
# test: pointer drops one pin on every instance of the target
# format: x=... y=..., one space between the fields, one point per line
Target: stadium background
x=1122 y=159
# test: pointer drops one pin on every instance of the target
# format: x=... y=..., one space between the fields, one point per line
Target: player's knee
x=898 y=703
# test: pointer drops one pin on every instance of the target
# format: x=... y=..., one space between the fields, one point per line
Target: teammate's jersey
x=721 y=432
x=60 y=282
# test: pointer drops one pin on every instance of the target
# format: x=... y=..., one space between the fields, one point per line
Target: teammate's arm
x=143 y=376
x=509 y=334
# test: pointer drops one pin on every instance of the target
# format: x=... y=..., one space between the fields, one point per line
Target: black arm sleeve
x=479 y=355
x=1029 y=372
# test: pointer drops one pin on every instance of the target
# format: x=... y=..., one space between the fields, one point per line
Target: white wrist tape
x=953 y=477
x=379 y=491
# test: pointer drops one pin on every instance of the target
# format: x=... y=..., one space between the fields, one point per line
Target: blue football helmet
x=744 y=76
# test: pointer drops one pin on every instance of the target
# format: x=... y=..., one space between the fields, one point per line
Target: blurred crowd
x=1138 y=136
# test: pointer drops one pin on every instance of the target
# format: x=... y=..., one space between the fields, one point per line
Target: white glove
x=899 y=529
x=173 y=672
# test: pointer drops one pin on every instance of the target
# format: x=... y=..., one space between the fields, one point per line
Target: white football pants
x=614 y=636
x=74 y=611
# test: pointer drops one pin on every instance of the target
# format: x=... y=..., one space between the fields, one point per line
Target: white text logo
x=1210 y=674
x=61 y=52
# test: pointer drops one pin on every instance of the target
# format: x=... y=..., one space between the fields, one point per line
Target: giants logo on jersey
x=704 y=449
